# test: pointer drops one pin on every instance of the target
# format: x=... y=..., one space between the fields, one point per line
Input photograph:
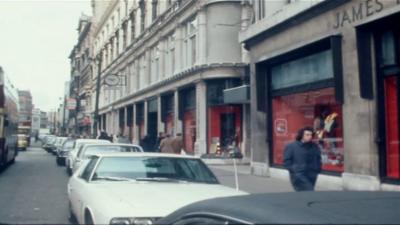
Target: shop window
x=318 y=109
x=215 y=90
x=392 y=127
x=189 y=130
x=224 y=128
x=305 y=70
x=187 y=113
x=388 y=53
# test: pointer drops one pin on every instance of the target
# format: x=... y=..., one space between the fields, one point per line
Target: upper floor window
x=265 y=8
x=170 y=55
x=155 y=64
x=124 y=34
x=154 y=9
x=142 y=6
x=132 y=17
x=189 y=43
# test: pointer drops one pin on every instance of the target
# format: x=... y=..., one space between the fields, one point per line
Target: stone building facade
x=332 y=65
x=81 y=79
x=164 y=68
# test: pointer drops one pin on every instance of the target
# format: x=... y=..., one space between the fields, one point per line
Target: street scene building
x=164 y=67
x=25 y=108
x=330 y=65
x=81 y=77
x=200 y=112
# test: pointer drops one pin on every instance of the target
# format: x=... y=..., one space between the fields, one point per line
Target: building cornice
x=267 y=27
x=193 y=71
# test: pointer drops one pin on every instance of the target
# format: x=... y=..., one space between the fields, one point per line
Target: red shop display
x=392 y=128
x=317 y=109
x=224 y=127
x=189 y=130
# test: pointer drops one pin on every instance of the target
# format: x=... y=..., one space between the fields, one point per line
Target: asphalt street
x=34 y=189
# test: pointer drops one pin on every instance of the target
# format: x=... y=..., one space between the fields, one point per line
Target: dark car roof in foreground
x=346 y=207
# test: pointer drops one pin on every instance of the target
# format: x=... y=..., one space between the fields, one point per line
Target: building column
x=177 y=121
x=178 y=50
x=126 y=128
x=160 y=124
x=201 y=118
x=128 y=32
x=136 y=138
x=202 y=37
x=162 y=50
x=145 y=117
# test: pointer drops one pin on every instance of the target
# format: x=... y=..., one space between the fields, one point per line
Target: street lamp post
x=96 y=106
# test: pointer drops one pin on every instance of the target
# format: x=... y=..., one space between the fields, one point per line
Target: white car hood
x=153 y=199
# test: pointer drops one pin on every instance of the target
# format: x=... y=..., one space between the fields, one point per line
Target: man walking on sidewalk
x=302 y=158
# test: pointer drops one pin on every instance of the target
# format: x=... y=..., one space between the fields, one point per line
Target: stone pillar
x=201 y=118
x=178 y=122
x=202 y=37
x=129 y=32
x=147 y=62
x=160 y=124
x=145 y=117
x=162 y=68
x=136 y=137
x=126 y=128
x=178 y=49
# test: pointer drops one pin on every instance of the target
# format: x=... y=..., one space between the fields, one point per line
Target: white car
x=58 y=144
x=88 y=150
x=79 y=143
x=126 y=188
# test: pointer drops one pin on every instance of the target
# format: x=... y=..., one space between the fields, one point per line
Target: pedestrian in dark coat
x=103 y=136
x=302 y=158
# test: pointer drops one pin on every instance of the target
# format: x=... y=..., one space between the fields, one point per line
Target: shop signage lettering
x=359 y=11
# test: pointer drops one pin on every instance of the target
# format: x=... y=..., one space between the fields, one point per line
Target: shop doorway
x=387 y=47
x=227 y=129
x=152 y=128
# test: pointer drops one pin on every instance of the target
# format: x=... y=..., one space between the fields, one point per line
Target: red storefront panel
x=316 y=109
x=392 y=128
x=169 y=123
x=189 y=130
x=216 y=129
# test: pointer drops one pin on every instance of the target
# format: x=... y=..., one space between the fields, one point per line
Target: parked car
x=58 y=143
x=22 y=142
x=49 y=143
x=62 y=152
x=91 y=149
x=126 y=188
x=77 y=145
x=345 y=207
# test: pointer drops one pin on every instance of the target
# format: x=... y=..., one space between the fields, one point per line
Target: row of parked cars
x=121 y=184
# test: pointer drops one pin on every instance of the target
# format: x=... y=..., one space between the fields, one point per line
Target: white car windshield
x=91 y=150
x=154 y=169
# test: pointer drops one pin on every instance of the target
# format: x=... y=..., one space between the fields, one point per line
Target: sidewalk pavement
x=251 y=183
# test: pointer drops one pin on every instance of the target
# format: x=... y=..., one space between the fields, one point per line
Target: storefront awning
x=237 y=95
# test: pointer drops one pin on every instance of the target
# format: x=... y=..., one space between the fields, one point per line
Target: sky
x=36 y=38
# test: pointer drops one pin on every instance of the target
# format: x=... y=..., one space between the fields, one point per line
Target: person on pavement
x=145 y=143
x=177 y=144
x=122 y=139
x=160 y=137
x=166 y=144
x=302 y=158
x=103 y=136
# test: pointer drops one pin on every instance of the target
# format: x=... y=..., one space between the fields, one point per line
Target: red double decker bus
x=8 y=121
